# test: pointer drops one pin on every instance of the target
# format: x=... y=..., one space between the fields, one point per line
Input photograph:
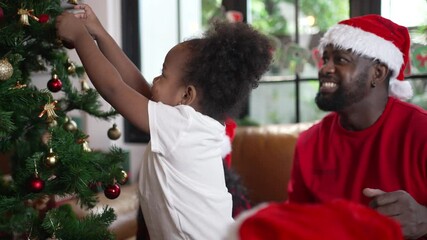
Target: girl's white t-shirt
x=181 y=183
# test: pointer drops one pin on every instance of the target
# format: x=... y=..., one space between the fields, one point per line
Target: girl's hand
x=68 y=29
x=89 y=19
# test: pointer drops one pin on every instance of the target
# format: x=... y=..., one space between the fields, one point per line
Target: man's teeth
x=329 y=84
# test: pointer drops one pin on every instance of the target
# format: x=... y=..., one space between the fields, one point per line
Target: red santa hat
x=338 y=219
x=379 y=38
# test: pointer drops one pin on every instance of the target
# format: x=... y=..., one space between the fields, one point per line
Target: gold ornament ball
x=114 y=133
x=6 y=70
x=124 y=177
x=70 y=125
x=51 y=159
x=52 y=123
x=71 y=68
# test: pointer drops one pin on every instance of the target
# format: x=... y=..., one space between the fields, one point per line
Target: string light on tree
x=6 y=69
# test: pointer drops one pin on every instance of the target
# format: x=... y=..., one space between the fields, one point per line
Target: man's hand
x=402 y=207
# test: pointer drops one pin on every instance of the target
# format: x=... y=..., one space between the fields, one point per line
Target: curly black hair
x=225 y=65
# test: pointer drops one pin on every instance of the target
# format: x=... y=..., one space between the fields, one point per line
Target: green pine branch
x=27 y=133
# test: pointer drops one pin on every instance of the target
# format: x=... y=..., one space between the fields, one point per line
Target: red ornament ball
x=1 y=14
x=112 y=191
x=36 y=184
x=54 y=84
x=44 y=18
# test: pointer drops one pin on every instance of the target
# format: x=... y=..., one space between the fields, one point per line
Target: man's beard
x=343 y=96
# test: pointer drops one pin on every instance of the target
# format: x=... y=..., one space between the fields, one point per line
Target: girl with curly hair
x=204 y=80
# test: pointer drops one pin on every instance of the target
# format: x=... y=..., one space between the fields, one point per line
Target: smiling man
x=372 y=148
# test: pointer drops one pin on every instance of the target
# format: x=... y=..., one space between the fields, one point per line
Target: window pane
x=274 y=102
x=407 y=13
x=210 y=10
x=309 y=111
x=420 y=92
x=416 y=21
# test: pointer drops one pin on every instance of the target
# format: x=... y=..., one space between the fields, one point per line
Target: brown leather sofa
x=262 y=156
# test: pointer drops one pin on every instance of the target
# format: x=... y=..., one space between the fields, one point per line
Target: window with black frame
x=131 y=46
x=286 y=93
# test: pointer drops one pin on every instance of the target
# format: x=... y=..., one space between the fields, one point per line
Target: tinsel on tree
x=48 y=154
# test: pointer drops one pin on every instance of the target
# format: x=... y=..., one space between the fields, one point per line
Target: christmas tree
x=48 y=155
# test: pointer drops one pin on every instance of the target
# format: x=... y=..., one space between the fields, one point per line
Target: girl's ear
x=190 y=95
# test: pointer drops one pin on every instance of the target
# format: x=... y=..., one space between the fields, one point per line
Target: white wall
x=159 y=30
x=158 y=34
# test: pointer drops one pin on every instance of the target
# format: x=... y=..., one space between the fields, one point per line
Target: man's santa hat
x=379 y=38
x=339 y=219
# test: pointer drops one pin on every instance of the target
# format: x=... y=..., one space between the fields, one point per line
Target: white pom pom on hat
x=379 y=38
